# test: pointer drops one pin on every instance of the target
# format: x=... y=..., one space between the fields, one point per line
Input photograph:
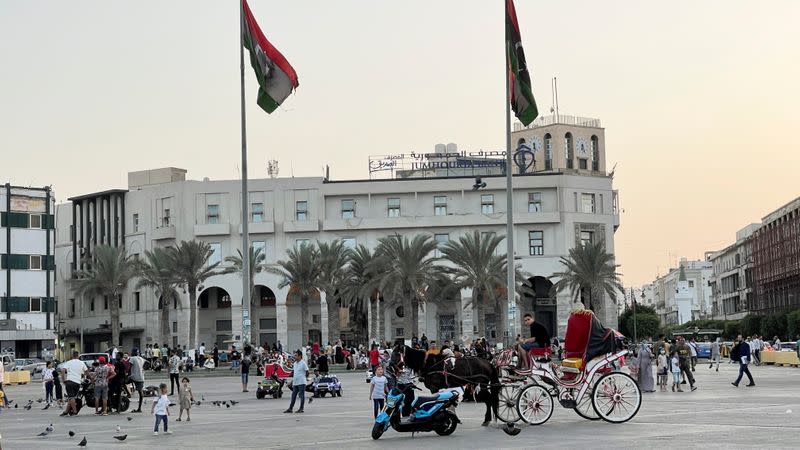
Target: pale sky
x=699 y=99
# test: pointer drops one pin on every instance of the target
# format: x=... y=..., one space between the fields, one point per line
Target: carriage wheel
x=616 y=397
x=507 y=404
x=585 y=409
x=534 y=405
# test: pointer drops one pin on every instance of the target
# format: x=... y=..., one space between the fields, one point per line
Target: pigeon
x=203 y=397
x=71 y=433
x=40 y=400
x=28 y=406
x=130 y=418
x=47 y=430
x=198 y=403
x=233 y=402
x=121 y=438
x=82 y=443
x=16 y=406
x=227 y=405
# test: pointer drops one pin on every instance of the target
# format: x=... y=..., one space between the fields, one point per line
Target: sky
x=699 y=99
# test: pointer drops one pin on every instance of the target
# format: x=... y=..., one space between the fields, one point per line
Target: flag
x=519 y=80
x=276 y=77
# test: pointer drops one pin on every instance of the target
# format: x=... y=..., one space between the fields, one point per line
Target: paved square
x=716 y=415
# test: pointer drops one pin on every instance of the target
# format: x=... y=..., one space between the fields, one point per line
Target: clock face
x=582 y=145
x=536 y=143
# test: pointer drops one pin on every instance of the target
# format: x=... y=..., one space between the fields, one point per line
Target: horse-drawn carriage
x=587 y=380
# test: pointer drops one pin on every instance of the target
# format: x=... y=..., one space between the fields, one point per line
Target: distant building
x=683 y=294
x=27 y=271
x=732 y=282
x=776 y=260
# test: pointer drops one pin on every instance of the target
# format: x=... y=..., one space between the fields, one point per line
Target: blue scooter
x=436 y=413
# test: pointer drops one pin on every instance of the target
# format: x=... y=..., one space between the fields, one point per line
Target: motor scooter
x=436 y=413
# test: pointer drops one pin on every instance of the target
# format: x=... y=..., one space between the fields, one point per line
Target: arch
x=569 y=150
x=214 y=297
x=537 y=297
x=264 y=315
x=548 y=152
x=595 y=153
x=214 y=318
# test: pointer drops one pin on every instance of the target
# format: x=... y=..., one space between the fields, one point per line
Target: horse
x=436 y=374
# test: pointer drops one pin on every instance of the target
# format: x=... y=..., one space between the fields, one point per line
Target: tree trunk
x=414 y=316
x=114 y=310
x=304 y=338
x=193 y=332
x=373 y=321
x=163 y=316
x=334 y=327
x=381 y=319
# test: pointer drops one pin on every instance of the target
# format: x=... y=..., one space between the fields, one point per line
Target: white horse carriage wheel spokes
x=535 y=405
x=507 y=403
x=616 y=397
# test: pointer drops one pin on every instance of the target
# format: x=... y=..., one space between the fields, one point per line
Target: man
x=299 y=374
x=322 y=364
x=72 y=371
x=540 y=338
x=715 y=353
x=741 y=353
x=684 y=361
x=116 y=383
x=215 y=355
x=174 y=372
x=757 y=346
x=279 y=346
x=374 y=357
x=202 y=354
x=102 y=374
x=797 y=346
x=423 y=342
x=137 y=375
x=693 y=348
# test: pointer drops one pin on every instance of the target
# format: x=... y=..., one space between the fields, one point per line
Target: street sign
x=245 y=313
x=246 y=322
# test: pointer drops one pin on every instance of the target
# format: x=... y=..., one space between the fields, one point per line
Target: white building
x=684 y=293
x=27 y=271
x=553 y=210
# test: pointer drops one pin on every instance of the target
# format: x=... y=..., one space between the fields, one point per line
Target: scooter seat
x=421 y=400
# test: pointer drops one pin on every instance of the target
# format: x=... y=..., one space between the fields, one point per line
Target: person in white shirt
x=378 y=390
x=299 y=374
x=161 y=410
x=202 y=354
x=73 y=371
x=47 y=379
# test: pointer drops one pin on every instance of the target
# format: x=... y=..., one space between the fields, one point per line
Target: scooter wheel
x=448 y=427
x=377 y=430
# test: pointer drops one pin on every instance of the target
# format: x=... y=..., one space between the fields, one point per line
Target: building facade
x=683 y=294
x=27 y=271
x=732 y=282
x=554 y=210
x=776 y=260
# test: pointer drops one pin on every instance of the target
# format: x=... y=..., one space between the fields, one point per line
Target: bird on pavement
x=47 y=430
x=82 y=443
x=39 y=400
x=121 y=438
x=71 y=433
x=203 y=397
x=233 y=402
x=28 y=406
x=130 y=418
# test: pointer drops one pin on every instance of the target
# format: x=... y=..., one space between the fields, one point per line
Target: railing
x=562 y=119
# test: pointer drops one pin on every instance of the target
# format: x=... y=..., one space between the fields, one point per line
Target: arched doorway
x=214 y=317
x=542 y=305
x=265 y=316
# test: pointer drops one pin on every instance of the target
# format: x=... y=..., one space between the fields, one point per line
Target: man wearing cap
x=684 y=361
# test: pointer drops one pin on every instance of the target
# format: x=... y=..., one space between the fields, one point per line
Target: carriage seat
x=572 y=364
x=540 y=353
x=576 y=341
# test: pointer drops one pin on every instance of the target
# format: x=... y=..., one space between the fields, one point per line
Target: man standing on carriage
x=540 y=338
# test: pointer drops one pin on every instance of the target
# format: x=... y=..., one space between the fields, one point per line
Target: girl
x=378 y=390
x=161 y=410
x=662 y=370
x=48 y=380
x=676 y=373
x=186 y=398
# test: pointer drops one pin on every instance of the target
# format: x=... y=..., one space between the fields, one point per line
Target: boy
x=378 y=390
x=161 y=410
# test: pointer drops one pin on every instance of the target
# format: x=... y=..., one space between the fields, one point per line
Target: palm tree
x=156 y=273
x=408 y=270
x=360 y=283
x=333 y=258
x=109 y=272
x=477 y=267
x=589 y=271
x=257 y=260
x=192 y=269
x=302 y=271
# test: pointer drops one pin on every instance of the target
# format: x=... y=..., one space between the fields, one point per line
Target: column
x=282 y=315
x=323 y=318
x=467 y=320
x=237 y=328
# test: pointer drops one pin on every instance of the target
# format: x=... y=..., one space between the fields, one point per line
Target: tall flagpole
x=511 y=315
x=245 y=244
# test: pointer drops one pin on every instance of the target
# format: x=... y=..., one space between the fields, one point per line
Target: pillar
x=468 y=322
x=323 y=318
x=282 y=316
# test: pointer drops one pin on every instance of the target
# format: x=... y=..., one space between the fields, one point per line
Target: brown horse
x=437 y=374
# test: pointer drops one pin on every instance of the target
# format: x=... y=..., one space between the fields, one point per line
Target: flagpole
x=245 y=244
x=511 y=315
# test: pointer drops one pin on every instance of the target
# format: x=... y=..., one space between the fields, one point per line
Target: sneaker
x=178 y=419
x=751 y=385
x=168 y=432
x=694 y=388
x=683 y=382
x=155 y=433
x=299 y=411
x=288 y=411
x=735 y=385
x=105 y=414
x=188 y=419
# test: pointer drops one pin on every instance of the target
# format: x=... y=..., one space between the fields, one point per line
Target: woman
x=645 y=360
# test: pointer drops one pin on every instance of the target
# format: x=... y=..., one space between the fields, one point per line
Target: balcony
x=161 y=233
x=212 y=229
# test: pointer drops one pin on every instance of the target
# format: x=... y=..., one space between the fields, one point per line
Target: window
x=260 y=245
x=224 y=302
x=568 y=150
x=91 y=305
x=441 y=239
x=548 y=152
x=349 y=243
x=691 y=283
x=174 y=341
x=583 y=163
x=400 y=331
x=105 y=302
x=595 y=153
x=393 y=207
x=212 y=214
x=224 y=325
x=165 y=219
x=302 y=242
x=348 y=209
x=36 y=262
x=36 y=221
x=536 y=243
x=174 y=327
x=439 y=205
x=135 y=223
x=268 y=324
x=315 y=318
x=587 y=237
x=257 y=212
x=487 y=204
x=137 y=301
x=534 y=202
x=36 y=304
x=72 y=307
x=216 y=253
x=301 y=211
x=587 y=203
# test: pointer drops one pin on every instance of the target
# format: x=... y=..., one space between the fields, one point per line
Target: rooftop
x=559 y=119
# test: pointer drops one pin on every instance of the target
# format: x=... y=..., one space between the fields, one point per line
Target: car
x=32 y=365
x=327 y=384
x=90 y=358
x=704 y=350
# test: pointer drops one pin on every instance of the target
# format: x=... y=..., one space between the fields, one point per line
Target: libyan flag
x=276 y=77
x=519 y=80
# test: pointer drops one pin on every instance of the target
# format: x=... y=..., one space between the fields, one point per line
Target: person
x=449 y=355
x=279 y=346
x=322 y=364
x=201 y=352
x=645 y=360
x=684 y=361
x=148 y=353
x=137 y=376
x=797 y=346
x=755 y=349
x=185 y=399
x=114 y=352
x=2 y=379
x=741 y=353
x=663 y=367
x=174 y=371
x=73 y=371
x=246 y=361
x=715 y=353
x=423 y=342
x=693 y=351
x=377 y=391
x=47 y=380
x=102 y=373
x=215 y=355
x=675 y=367
x=161 y=410
x=540 y=338
x=374 y=357
x=299 y=374
x=116 y=383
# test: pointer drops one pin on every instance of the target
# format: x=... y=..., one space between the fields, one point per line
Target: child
x=49 y=383
x=185 y=399
x=161 y=410
x=676 y=373
x=377 y=391
x=662 y=370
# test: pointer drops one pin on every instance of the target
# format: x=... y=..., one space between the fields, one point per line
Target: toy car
x=328 y=384
x=369 y=376
x=270 y=387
